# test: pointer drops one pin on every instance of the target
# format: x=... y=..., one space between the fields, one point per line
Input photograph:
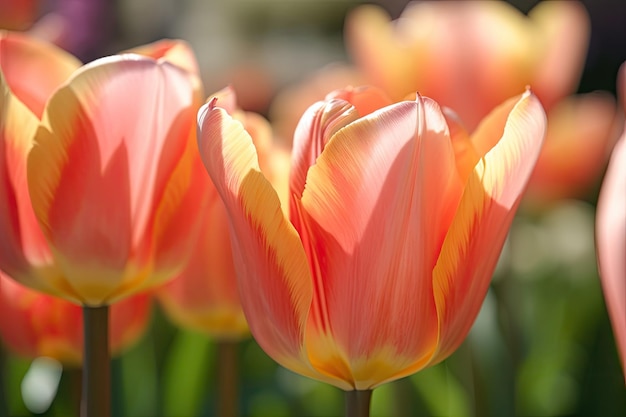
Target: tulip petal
x=34 y=69
x=581 y=131
x=176 y=219
x=389 y=174
x=204 y=296
x=472 y=247
x=273 y=275
x=365 y=99
x=314 y=130
x=611 y=242
x=23 y=248
x=101 y=160
x=465 y=154
x=175 y=51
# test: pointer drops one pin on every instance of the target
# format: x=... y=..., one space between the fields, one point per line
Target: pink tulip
x=471 y=56
x=99 y=199
x=611 y=236
x=397 y=218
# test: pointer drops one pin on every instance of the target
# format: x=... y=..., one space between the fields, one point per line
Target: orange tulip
x=204 y=295
x=470 y=56
x=95 y=164
x=611 y=236
x=397 y=219
x=35 y=324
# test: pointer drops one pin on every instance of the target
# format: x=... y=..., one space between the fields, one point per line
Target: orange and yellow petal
x=204 y=295
x=268 y=255
x=24 y=248
x=313 y=132
x=473 y=243
x=34 y=69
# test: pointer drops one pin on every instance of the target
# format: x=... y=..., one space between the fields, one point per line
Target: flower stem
x=74 y=381
x=358 y=403
x=227 y=371
x=96 y=392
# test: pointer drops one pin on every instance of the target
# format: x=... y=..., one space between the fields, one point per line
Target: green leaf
x=187 y=374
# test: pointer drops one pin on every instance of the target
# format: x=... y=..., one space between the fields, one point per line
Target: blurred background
x=542 y=345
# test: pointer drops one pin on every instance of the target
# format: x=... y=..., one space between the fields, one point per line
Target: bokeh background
x=542 y=345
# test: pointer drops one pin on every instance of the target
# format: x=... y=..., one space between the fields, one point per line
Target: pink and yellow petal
x=24 y=248
x=178 y=209
x=34 y=69
x=313 y=132
x=204 y=295
x=267 y=251
x=477 y=233
x=389 y=174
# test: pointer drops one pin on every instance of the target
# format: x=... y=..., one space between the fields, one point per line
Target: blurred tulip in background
x=36 y=324
x=470 y=56
x=204 y=296
x=611 y=236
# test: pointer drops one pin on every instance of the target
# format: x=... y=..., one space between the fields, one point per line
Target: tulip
x=98 y=192
x=448 y=51
x=611 y=236
x=204 y=295
x=36 y=324
x=396 y=221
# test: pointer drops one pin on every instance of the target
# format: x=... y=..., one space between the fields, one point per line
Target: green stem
x=96 y=392
x=227 y=372
x=358 y=403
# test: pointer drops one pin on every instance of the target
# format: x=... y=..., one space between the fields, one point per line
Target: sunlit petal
x=472 y=246
x=33 y=69
x=267 y=251
x=23 y=248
